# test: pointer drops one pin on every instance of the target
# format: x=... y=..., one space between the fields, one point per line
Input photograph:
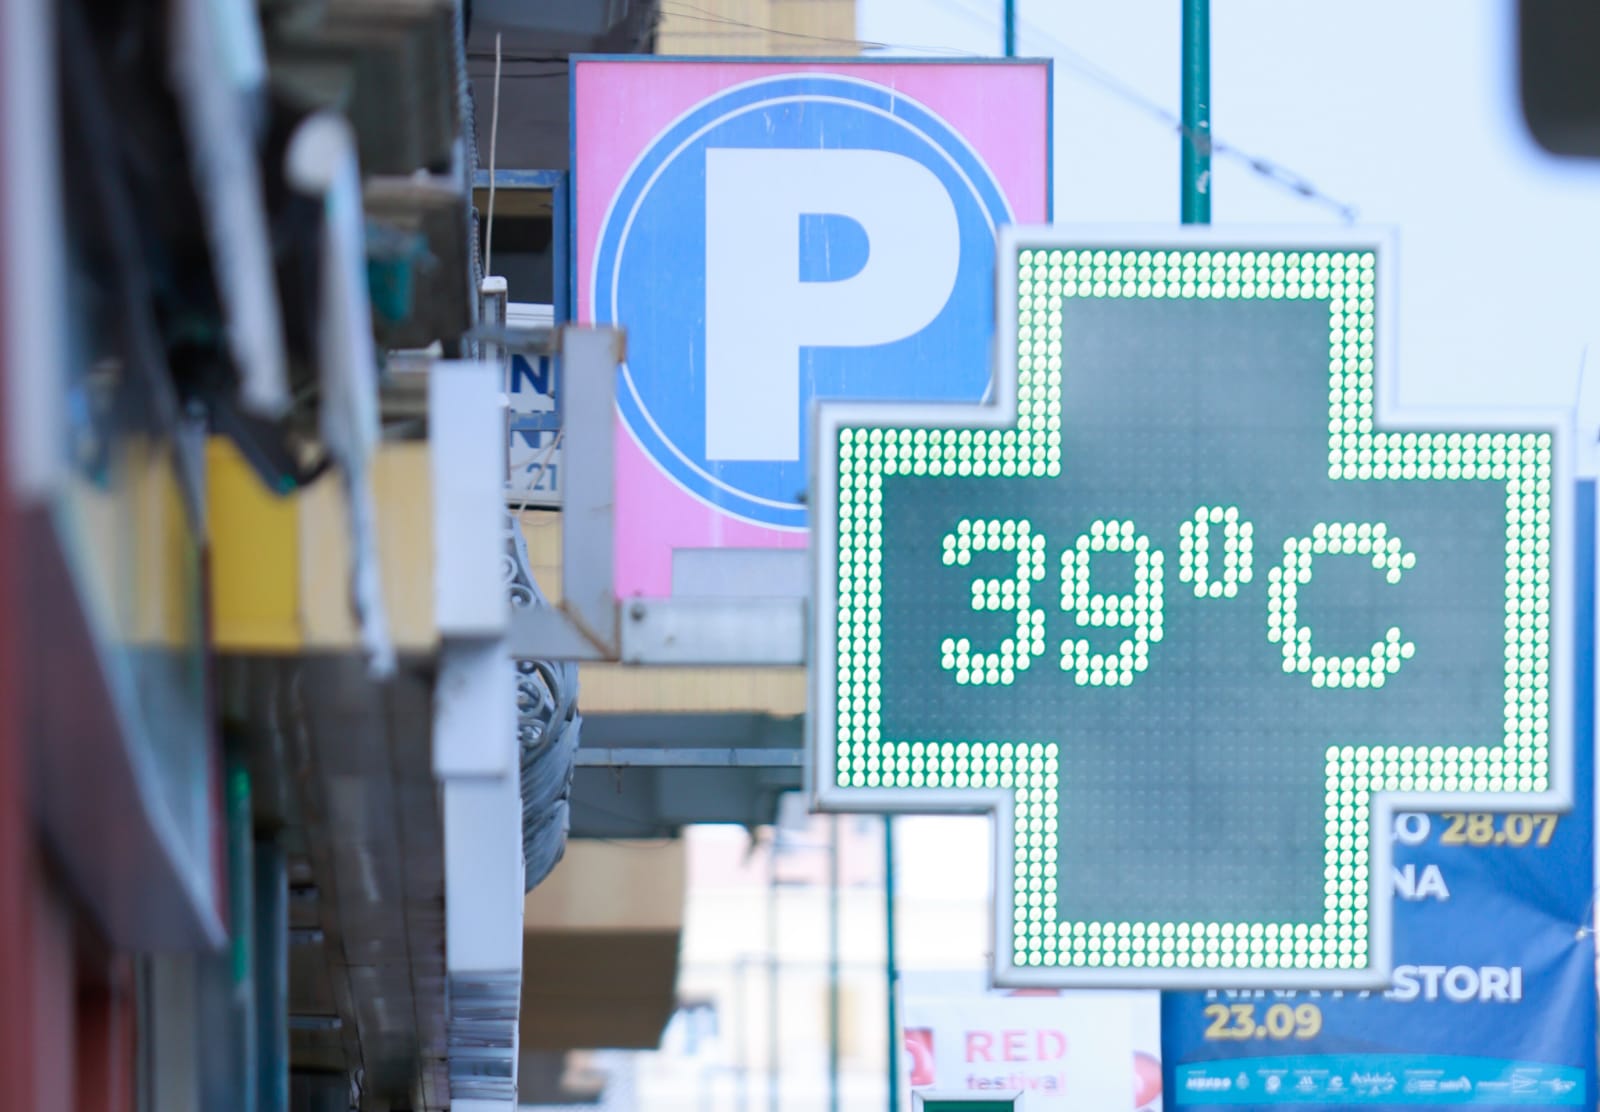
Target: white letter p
x=759 y=314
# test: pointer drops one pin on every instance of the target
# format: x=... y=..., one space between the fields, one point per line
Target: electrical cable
x=1085 y=67
x=534 y=471
x=685 y=10
x=1269 y=169
x=494 y=136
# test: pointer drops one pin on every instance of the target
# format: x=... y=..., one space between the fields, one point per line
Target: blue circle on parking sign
x=650 y=277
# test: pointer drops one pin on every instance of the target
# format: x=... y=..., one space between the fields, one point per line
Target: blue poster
x=1493 y=999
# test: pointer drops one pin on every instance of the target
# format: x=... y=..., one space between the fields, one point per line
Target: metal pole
x=742 y=1018
x=493 y=302
x=242 y=921
x=272 y=975
x=833 y=963
x=772 y=972
x=892 y=974
x=1011 y=28
x=1196 y=139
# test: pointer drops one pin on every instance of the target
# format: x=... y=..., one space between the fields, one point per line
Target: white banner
x=1062 y=1049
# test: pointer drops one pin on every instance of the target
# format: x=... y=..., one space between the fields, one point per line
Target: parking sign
x=770 y=233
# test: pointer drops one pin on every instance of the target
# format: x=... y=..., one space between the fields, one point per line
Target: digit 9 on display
x=1193 y=607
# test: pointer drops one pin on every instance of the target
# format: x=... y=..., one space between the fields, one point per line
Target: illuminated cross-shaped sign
x=1193 y=608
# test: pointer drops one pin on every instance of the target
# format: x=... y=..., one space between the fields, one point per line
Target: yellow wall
x=135 y=549
x=757 y=27
x=618 y=688
x=280 y=566
x=611 y=886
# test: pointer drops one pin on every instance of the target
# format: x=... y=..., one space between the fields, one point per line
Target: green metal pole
x=889 y=965
x=1196 y=200
x=1011 y=28
x=833 y=963
x=271 y=875
x=774 y=1046
x=242 y=924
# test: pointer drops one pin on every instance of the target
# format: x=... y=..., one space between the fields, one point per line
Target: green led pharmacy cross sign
x=1193 y=607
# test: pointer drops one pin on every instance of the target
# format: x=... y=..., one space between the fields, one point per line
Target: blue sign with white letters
x=1493 y=999
x=799 y=236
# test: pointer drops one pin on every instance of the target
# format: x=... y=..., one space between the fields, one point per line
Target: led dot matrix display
x=1192 y=609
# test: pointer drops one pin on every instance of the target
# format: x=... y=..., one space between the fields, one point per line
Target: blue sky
x=1406 y=112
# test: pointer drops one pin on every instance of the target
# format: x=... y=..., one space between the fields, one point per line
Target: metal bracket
x=589 y=623
x=667 y=757
x=584 y=625
x=765 y=631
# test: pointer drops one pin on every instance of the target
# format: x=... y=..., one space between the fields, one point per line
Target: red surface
x=1146 y=1079
x=106 y=1042
x=51 y=1040
x=17 y=985
x=919 y=1045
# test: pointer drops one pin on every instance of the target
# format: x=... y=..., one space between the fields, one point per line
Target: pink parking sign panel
x=769 y=233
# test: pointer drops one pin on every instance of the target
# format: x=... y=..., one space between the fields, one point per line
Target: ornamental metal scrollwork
x=548 y=727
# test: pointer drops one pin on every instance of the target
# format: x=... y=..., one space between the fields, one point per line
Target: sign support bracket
x=583 y=626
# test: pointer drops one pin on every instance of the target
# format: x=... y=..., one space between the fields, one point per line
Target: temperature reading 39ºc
x=1216 y=559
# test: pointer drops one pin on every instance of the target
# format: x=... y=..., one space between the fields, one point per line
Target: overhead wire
x=684 y=9
x=553 y=65
x=494 y=135
x=1264 y=167
x=560 y=73
x=516 y=56
x=1269 y=169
